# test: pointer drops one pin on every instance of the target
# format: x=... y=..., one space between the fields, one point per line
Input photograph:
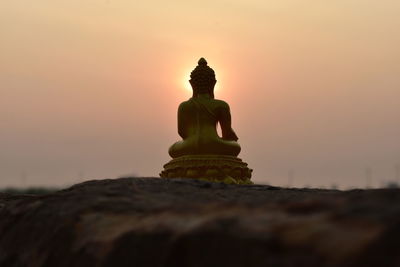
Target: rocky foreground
x=187 y=223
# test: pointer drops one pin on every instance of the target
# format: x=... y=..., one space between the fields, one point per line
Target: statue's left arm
x=226 y=124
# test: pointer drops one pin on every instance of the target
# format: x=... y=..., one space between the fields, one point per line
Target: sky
x=89 y=89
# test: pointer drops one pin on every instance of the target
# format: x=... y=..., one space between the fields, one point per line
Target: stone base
x=214 y=168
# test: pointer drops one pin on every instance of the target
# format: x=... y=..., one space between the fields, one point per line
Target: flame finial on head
x=202 y=62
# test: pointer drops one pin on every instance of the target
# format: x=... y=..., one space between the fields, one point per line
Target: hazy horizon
x=314 y=87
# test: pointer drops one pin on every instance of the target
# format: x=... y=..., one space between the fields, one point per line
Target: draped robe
x=197 y=122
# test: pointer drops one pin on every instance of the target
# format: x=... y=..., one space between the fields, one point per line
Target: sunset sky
x=89 y=88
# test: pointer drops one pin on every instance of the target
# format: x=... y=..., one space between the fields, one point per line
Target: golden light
x=184 y=75
x=186 y=84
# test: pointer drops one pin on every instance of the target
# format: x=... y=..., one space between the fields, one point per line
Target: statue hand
x=231 y=136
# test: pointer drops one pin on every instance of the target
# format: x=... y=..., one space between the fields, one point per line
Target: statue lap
x=214 y=147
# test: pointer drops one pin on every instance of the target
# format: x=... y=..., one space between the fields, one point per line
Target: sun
x=184 y=75
x=186 y=84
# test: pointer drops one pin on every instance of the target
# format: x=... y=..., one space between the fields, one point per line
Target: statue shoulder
x=184 y=104
x=221 y=103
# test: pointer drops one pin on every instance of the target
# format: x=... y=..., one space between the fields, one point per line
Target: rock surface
x=187 y=223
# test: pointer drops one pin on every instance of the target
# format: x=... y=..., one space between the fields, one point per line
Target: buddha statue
x=198 y=118
x=202 y=153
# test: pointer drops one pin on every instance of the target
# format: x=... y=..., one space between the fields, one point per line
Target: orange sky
x=89 y=89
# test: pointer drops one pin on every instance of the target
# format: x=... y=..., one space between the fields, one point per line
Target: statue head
x=202 y=79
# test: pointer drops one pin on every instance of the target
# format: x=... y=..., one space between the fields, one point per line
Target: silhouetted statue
x=202 y=153
x=198 y=118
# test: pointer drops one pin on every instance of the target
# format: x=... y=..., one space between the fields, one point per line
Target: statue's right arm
x=181 y=122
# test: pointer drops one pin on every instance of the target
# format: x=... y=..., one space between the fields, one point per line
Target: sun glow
x=186 y=84
x=185 y=77
x=188 y=88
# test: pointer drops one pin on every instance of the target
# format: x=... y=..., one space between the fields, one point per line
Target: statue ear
x=193 y=88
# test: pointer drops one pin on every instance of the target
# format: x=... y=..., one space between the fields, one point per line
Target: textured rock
x=184 y=223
